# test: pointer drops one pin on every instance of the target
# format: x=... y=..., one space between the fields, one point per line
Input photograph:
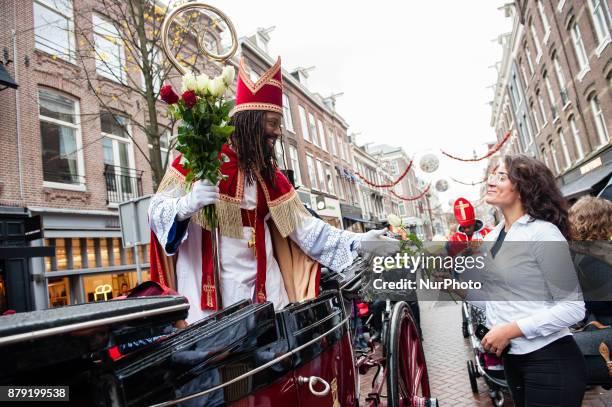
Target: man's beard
x=268 y=149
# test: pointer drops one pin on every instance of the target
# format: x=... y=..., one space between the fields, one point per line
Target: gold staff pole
x=201 y=8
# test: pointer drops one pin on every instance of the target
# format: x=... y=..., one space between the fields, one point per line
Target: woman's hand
x=498 y=338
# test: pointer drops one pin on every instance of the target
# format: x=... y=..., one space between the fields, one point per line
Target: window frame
x=71 y=46
x=122 y=78
x=81 y=186
x=287 y=117
x=304 y=123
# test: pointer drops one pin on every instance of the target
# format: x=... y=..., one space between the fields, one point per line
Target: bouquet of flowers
x=203 y=112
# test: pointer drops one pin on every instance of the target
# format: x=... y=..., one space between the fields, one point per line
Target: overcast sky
x=414 y=73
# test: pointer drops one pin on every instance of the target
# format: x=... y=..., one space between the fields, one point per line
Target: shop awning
x=355 y=218
x=585 y=183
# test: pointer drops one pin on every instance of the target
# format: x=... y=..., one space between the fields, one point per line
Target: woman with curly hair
x=591 y=220
x=532 y=315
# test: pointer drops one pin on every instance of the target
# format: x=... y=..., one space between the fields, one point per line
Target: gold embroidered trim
x=276 y=83
x=255 y=87
x=257 y=106
x=172 y=178
x=287 y=212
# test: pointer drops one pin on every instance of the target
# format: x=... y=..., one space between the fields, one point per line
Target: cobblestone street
x=447 y=353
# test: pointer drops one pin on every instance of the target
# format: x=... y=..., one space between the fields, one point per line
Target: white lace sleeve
x=162 y=215
x=332 y=247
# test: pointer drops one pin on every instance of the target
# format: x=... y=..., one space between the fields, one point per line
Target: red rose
x=167 y=95
x=189 y=97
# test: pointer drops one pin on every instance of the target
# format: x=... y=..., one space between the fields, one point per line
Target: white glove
x=373 y=242
x=202 y=194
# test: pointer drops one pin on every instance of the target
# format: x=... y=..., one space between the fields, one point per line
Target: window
x=304 y=124
x=329 y=179
x=564 y=149
x=529 y=131
x=280 y=158
x=536 y=42
x=553 y=153
x=561 y=80
x=295 y=165
x=576 y=136
x=529 y=60
x=545 y=23
x=347 y=145
x=110 y=55
x=551 y=96
x=522 y=137
x=601 y=20
x=541 y=105
x=332 y=142
x=535 y=117
x=340 y=186
x=312 y=172
x=581 y=55
x=321 y=176
x=54 y=28
x=312 y=129
x=341 y=148
x=121 y=179
x=164 y=148
x=600 y=123
x=524 y=72
x=60 y=132
x=322 y=136
x=287 y=114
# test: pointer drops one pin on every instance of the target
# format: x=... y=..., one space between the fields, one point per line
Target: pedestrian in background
x=591 y=221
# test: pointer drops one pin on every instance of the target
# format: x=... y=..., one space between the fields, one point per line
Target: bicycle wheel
x=407 y=379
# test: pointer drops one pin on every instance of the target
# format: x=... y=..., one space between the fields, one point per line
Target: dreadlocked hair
x=249 y=141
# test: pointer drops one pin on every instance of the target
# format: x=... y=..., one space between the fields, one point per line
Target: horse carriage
x=129 y=352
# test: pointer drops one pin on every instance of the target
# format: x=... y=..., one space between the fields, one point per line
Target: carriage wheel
x=407 y=381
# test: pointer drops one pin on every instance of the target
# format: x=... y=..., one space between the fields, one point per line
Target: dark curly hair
x=539 y=193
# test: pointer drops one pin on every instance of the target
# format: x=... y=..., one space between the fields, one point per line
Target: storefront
x=90 y=263
x=589 y=178
x=352 y=218
x=328 y=209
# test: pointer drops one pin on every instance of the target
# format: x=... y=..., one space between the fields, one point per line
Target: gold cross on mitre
x=209 y=289
x=461 y=206
x=252 y=244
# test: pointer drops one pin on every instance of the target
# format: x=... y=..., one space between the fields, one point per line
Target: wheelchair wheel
x=472 y=374
x=464 y=325
x=407 y=379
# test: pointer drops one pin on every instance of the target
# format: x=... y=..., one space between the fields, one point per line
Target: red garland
x=413 y=198
x=370 y=183
x=468 y=183
x=495 y=149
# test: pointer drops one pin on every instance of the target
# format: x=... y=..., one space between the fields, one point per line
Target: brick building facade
x=553 y=89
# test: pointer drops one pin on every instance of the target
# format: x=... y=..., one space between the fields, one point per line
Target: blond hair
x=591 y=219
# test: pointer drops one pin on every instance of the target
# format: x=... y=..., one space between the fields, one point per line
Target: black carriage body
x=236 y=342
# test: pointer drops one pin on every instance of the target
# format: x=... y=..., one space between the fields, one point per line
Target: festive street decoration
x=412 y=198
x=468 y=183
x=441 y=185
x=494 y=150
x=394 y=183
x=429 y=163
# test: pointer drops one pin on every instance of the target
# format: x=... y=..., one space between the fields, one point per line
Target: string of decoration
x=494 y=150
x=372 y=184
x=412 y=198
x=468 y=183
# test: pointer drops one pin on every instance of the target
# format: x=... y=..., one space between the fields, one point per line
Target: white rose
x=228 y=75
x=201 y=83
x=189 y=82
x=394 y=220
x=216 y=87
